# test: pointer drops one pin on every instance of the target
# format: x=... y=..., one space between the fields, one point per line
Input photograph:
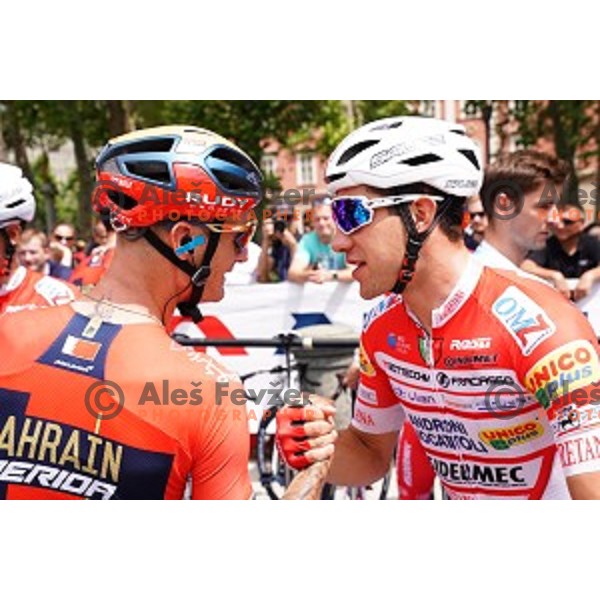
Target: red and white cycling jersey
x=27 y=290
x=504 y=393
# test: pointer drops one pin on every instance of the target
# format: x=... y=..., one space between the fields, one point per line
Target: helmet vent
x=154 y=145
x=15 y=203
x=231 y=156
x=470 y=155
x=332 y=178
x=157 y=171
x=393 y=125
x=424 y=159
x=354 y=150
x=123 y=201
x=233 y=171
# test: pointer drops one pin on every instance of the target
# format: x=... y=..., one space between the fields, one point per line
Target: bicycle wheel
x=274 y=474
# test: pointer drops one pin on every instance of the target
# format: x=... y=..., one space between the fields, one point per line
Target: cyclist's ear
x=423 y=211
x=14 y=233
x=180 y=235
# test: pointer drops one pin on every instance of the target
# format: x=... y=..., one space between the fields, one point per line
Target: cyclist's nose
x=340 y=242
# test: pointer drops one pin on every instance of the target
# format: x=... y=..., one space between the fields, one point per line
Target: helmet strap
x=414 y=242
x=198 y=275
x=8 y=253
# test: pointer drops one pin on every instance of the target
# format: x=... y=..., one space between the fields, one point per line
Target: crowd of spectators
x=300 y=251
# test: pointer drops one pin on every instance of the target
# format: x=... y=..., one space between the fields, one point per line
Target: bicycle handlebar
x=286 y=340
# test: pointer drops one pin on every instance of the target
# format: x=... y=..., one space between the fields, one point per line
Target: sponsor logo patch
x=366 y=368
x=571 y=367
x=504 y=438
x=483 y=343
x=526 y=321
x=83 y=349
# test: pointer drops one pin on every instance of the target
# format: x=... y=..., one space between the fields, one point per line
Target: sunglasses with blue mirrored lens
x=351 y=213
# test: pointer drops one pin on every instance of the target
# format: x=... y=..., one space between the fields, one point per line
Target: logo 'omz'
x=526 y=321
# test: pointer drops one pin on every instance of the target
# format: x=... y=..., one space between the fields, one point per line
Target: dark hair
x=451 y=220
x=520 y=173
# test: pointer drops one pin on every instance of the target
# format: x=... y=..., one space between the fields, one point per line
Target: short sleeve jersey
x=92 y=409
x=503 y=393
x=27 y=290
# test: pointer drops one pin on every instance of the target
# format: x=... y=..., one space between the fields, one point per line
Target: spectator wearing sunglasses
x=315 y=260
x=65 y=235
x=518 y=195
x=568 y=254
x=478 y=223
x=168 y=254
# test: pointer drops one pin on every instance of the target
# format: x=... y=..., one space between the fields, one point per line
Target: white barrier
x=265 y=310
x=590 y=306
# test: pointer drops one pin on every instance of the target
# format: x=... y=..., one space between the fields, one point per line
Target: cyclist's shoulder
x=29 y=333
x=37 y=321
x=187 y=364
x=51 y=291
x=538 y=318
x=503 y=288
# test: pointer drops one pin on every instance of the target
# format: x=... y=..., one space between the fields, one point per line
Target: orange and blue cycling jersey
x=164 y=423
x=27 y=290
x=503 y=393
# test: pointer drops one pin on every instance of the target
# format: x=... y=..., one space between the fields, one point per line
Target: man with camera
x=278 y=249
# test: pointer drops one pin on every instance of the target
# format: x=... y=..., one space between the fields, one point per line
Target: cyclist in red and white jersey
x=518 y=198
x=498 y=374
x=20 y=288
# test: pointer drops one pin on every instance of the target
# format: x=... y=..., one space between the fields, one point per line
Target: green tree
x=46 y=125
x=572 y=126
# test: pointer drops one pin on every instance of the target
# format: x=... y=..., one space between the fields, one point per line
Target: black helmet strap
x=198 y=275
x=414 y=242
x=10 y=249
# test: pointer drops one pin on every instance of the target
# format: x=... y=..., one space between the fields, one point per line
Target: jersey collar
x=459 y=295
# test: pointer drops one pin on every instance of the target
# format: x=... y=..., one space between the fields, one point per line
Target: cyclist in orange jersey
x=96 y=400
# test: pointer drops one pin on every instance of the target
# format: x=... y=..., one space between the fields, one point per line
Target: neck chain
x=105 y=309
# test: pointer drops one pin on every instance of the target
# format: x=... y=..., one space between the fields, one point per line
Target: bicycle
x=274 y=473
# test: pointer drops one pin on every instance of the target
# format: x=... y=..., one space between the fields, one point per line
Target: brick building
x=303 y=169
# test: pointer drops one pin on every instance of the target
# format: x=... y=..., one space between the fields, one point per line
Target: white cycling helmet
x=402 y=151
x=16 y=196
x=409 y=152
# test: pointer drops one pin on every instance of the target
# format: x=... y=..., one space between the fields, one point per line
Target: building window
x=427 y=108
x=268 y=165
x=306 y=169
